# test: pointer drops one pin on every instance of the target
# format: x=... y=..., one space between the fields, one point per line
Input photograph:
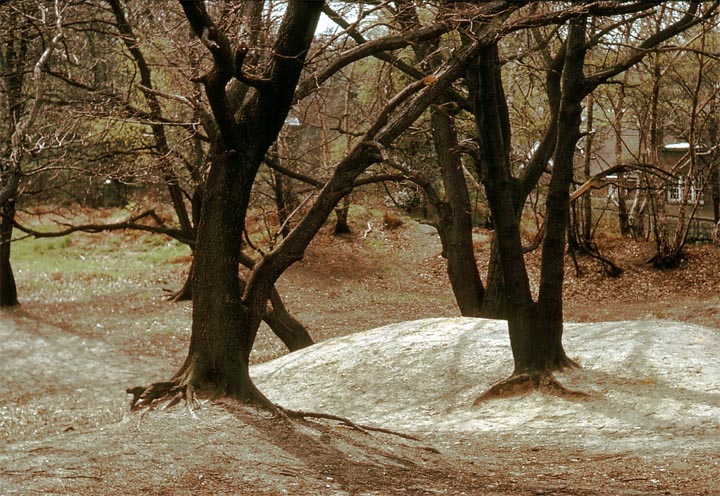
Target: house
x=674 y=158
x=694 y=192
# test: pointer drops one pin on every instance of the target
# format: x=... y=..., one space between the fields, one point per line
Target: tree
x=14 y=57
x=283 y=324
x=536 y=325
x=225 y=321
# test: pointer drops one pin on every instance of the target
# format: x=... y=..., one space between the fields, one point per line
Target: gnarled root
x=298 y=414
x=167 y=394
x=520 y=384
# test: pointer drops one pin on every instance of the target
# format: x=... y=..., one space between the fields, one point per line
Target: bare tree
x=225 y=321
x=535 y=325
x=22 y=117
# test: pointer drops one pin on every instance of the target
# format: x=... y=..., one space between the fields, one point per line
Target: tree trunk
x=535 y=329
x=292 y=333
x=341 y=218
x=488 y=97
x=287 y=328
x=8 y=289
x=223 y=330
x=495 y=302
x=455 y=226
x=536 y=340
x=550 y=297
x=226 y=321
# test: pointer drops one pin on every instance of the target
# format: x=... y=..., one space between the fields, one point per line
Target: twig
x=367 y=231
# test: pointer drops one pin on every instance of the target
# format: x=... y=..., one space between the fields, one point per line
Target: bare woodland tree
x=225 y=321
x=456 y=71
x=22 y=115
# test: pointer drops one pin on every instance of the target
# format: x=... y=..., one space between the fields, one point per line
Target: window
x=676 y=191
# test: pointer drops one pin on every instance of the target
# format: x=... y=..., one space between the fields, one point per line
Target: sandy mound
x=654 y=385
x=654 y=393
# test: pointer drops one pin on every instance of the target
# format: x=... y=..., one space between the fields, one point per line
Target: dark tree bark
x=224 y=324
x=557 y=204
x=496 y=303
x=535 y=328
x=485 y=86
x=8 y=289
x=455 y=217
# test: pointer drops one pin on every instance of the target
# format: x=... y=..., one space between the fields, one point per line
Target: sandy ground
x=650 y=426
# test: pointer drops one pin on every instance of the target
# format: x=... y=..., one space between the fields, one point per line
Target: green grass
x=86 y=263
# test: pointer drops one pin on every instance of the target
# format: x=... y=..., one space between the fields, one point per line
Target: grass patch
x=86 y=264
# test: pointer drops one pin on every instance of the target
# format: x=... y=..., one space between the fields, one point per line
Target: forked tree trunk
x=224 y=327
x=535 y=328
x=536 y=341
x=8 y=288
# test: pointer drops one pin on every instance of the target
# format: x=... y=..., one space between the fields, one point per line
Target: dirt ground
x=70 y=350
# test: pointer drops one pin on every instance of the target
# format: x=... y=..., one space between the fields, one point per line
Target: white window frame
x=676 y=190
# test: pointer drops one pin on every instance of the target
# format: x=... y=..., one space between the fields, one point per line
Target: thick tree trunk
x=455 y=223
x=223 y=329
x=493 y=135
x=535 y=329
x=536 y=340
x=225 y=321
x=8 y=289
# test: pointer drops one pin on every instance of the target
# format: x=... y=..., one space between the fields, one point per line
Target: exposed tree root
x=168 y=394
x=164 y=394
x=521 y=384
x=358 y=427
